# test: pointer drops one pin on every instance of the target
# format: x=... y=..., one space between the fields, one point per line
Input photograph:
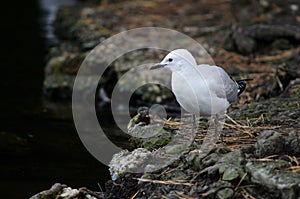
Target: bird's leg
x=194 y=122
x=211 y=137
x=218 y=125
x=215 y=128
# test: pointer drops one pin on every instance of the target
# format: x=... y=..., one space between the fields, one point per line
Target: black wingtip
x=242 y=85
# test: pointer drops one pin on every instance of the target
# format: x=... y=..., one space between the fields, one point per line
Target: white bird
x=200 y=89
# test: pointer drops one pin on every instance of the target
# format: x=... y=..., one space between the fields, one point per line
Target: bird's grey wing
x=227 y=86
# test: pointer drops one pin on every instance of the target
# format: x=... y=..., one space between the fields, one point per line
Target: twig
x=134 y=195
x=279 y=83
x=260 y=118
x=266 y=159
x=295 y=160
x=247 y=195
x=164 y=182
x=243 y=127
x=251 y=127
x=294 y=168
x=271 y=156
x=238 y=185
x=232 y=120
x=236 y=146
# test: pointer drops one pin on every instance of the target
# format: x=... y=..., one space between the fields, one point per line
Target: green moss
x=159 y=139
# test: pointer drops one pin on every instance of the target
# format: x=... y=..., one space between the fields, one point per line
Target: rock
x=158 y=139
x=245 y=10
x=211 y=159
x=271 y=175
x=175 y=149
x=216 y=187
x=63 y=191
x=74 y=23
x=293 y=143
x=269 y=143
x=175 y=175
x=58 y=86
x=60 y=74
x=280 y=44
x=245 y=38
x=273 y=143
x=53 y=191
x=66 y=63
x=276 y=111
x=243 y=43
x=194 y=160
x=231 y=173
x=225 y=193
x=63 y=66
x=145 y=133
x=128 y=162
x=268 y=11
x=66 y=18
x=231 y=165
x=291 y=66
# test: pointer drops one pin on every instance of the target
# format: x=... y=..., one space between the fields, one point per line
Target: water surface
x=36 y=149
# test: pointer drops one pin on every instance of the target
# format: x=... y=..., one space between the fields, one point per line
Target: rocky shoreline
x=258 y=153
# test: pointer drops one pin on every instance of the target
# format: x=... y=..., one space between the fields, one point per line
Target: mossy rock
x=275 y=177
x=274 y=110
x=231 y=165
x=159 y=139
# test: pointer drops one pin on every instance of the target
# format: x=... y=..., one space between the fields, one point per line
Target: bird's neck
x=188 y=71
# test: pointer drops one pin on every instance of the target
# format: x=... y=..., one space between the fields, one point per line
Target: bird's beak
x=159 y=65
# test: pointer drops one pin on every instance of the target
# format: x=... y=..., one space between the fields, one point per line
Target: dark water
x=36 y=150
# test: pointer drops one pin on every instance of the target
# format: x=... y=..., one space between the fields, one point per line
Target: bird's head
x=176 y=60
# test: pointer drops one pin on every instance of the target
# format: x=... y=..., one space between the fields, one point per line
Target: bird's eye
x=170 y=59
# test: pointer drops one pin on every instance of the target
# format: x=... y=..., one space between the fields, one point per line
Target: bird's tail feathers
x=242 y=85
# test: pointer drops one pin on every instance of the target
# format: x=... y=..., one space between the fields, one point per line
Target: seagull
x=203 y=90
